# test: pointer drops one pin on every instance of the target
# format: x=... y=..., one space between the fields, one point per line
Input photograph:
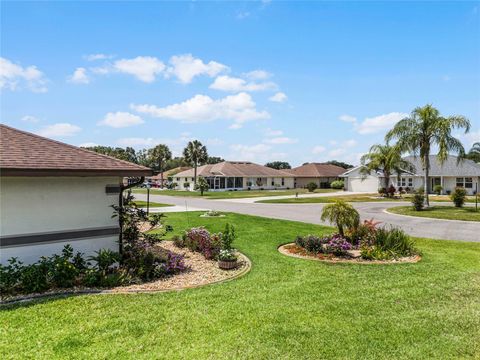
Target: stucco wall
x=36 y=205
x=302 y=182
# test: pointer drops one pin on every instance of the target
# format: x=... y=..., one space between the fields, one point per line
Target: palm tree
x=195 y=153
x=160 y=154
x=342 y=214
x=474 y=153
x=386 y=158
x=426 y=128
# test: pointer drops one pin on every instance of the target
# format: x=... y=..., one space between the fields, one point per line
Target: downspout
x=120 y=204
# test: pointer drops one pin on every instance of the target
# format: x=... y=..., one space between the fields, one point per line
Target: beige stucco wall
x=288 y=183
x=302 y=182
x=30 y=205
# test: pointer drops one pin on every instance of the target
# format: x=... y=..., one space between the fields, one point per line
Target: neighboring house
x=449 y=175
x=157 y=179
x=53 y=194
x=236 y=175
x=318 y=173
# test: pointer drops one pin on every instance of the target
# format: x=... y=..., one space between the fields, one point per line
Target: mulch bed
x=294 y=250
x=201 y=272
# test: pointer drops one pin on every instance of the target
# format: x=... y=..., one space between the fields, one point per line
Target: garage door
x=368 y=184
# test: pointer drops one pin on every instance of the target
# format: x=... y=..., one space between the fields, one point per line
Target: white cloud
x=186 y=67
x=79 y=76
x=271 y=132
x=348 y=118
x=281 y=140
x=337 y=152
x=95 y=57
x=59 y=130
x=137 y=142
x=318 y=149
x=349 y=143
x=234 y=84
x=214 y=142
x=201 y=108
x=258 y=75
x=30 y=119
x=15 y=77
x=144 y=68
x=256 y=153
x=88 y=144
x=121 y=119
x=278 y=97
x=243 y=15
x=379 y=123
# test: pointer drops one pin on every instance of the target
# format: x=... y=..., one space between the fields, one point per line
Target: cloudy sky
x=253 y=81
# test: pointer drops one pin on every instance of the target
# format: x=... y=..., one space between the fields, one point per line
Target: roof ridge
x=27 y=133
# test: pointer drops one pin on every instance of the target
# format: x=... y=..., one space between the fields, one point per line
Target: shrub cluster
x=418 y=200
x=311 y=186
x=337 y=184
x=332 y=244
x=212 y=246
x=459 y=196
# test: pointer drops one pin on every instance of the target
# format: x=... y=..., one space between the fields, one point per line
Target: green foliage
x=279 y=165
x=459 y=196
x=418 y=200
x=127 y=154
x=158 y=156
x=195 y=154
x=437 y=189
x=337 y=184
x=340 y=163
x=202 y=185
x=474 y=153
x=389 y=243
x=214 y=160
x=342 y=214
x=228 y=236
x=311 y=186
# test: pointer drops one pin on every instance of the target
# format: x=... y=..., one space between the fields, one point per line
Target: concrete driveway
x=310 y=213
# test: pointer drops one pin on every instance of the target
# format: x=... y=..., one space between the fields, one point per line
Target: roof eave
x=75 y=172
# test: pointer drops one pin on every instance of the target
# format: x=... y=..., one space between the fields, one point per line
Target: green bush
x=459 y=196
x=311 y=186
x=337 y=184
x=418 y=200
x=389 y=243
x=437 y=189
x=342 y=214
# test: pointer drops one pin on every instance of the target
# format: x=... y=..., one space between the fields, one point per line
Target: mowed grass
x=229 y=194
x=284 y=308
x=328 y=199
x=143 y=204
x=440 y=212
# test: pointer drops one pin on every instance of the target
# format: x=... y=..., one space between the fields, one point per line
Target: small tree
x=418 y=200
x=341 y=214
x=311 y=186
x=337 y=184
x=459 y=196
x=437 y=189
x=202 y=185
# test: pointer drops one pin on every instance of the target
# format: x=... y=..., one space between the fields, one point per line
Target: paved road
x=310 y=213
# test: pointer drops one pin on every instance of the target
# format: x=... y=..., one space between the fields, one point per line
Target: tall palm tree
x=426 y=128
x=160 y=154
x=387 y=159
x=196 y=154
x=474 y=153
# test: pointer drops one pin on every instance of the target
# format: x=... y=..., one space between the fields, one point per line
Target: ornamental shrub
x=391 y=191
x=342 y=214
x=337 y=184
x=228 y=236
x=337 y=245
x=382 y=191
x=390 y=243
x=437 y=189
x=459 y=196
x=311 y=186
x=418 y=200
x=314 y=244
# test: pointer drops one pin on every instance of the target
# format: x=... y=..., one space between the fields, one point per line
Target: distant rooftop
x=235 y=169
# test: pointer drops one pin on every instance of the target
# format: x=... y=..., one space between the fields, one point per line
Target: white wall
x=30 y=205
x=360 y=183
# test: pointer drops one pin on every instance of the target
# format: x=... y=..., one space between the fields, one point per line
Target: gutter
x=120 y=204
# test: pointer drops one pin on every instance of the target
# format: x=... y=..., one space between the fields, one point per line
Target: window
x=273 y=182
x=405 y=182
x=239 y=182
x=466 y=183
x=283 y=181
x=178 y=179
x=230 y=182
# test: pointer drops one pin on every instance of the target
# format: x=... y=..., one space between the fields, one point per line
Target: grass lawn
x=440 y=212
x=229 y=194
x=285 y=308
x=329 y=199
x=143 y=204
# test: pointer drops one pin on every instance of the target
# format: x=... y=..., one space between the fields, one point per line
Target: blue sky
x=258 y=81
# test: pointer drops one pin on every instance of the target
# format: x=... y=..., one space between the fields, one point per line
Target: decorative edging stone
x=119 y=291
x=217 y=216
x=283 y=250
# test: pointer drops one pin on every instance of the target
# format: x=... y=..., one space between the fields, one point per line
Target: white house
x=53 y=194
x=236 y=175
x=449 y=175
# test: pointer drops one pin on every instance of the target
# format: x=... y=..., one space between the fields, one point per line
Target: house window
x=466 y=183
x=283 y=181
x=230 y=182
x=273 y=182
x=405 y=182
x=178 y=179
x=238 y=182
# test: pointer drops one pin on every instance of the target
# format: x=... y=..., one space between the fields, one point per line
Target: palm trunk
x=195 y=176
x=161 y=174
x=425 y=185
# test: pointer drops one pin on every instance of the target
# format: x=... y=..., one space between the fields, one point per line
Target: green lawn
x=440 y=212
x=142 y=204
x=285 y=308
x=327 y=199
x=229 y=194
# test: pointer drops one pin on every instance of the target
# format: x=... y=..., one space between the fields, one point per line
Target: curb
x=429 y=218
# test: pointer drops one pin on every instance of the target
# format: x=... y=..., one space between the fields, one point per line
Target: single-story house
x=53 y=194
x=236 y=175
x=157 y=179
x=318 y=173
x=449 y=175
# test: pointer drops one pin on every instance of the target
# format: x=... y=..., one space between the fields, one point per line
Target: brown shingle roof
x=235 y=168
x=317 y=170
x=23 y=153
x=170 y=172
